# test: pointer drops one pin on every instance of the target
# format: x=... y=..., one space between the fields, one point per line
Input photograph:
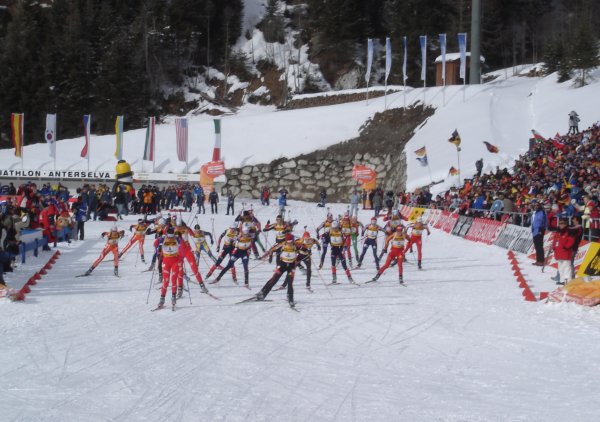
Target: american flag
x=181 y=129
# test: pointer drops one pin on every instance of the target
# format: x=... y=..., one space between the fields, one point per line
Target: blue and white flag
x=369 y=59
x=423 y=160
x=443 y=48
x=404 y=75
x=423 y=42
x=388 y=57
x=462 y=48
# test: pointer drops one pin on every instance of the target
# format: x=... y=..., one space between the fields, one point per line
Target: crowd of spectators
x=561 y=174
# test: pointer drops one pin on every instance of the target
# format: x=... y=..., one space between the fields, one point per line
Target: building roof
x=451 y=57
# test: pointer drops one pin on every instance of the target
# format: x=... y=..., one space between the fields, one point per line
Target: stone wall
x=379 y=146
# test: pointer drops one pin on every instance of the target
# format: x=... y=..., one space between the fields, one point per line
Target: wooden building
x=452 y=69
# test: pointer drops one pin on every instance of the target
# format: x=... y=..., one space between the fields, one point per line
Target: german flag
x=537 y=136
x=491 y=148
x=455 y=138
x=453 y=171
x=16 y=123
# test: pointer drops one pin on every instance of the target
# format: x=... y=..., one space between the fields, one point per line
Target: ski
x=158 y=308
x=310 y=289
x=211 y=295
x=82 y=275
x=293 y=307
x=247 y=286
x=173 y=308
x=370 y=281
x=253 y=299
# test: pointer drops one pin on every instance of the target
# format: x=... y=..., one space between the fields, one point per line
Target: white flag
x=369 y=59
x=462 y=48
x=404 y=75
x=423 y=42
x=443 y=48
x=51 y=133
x=388 y=57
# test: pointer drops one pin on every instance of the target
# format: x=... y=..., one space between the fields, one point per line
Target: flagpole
x=55 y=139
x=153 y=144
x=367 y=93
x=385 y=96
x=90 y=145
x=458 y=157
x=22 y=140
x=429 y=170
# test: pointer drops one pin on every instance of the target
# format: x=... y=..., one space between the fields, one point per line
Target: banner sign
x=484 y=231
x=590 y=265
x=97 y=175
x=515 y=238
x=462 y=226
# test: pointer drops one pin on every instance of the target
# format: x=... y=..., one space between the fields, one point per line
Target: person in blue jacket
x=539 y=223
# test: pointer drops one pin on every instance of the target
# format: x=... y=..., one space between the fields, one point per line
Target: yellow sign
x=416 y=213
x=591 y=262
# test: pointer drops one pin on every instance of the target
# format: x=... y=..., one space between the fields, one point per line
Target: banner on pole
x=16 y=123
x=119 y=135
x=217 y=148
x=50 y=134
x=443 y=48
x=388 y=57
x=369 y=59
x=423 y=42
x=181 y=133
x=404 y=75
x=462 y=48
x=86 y=134
x=150 y=137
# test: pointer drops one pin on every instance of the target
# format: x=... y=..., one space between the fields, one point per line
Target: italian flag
x=217 y=150
x=537 y=136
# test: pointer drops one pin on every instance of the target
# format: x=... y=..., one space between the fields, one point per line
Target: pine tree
x=584 y=55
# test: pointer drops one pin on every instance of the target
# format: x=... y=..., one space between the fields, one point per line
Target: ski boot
x=400 y=279
x=334 y=279
x=376 y=277
x=143 y=260
x=173 y=300
x=161 y=302
x=120 y=255
x=292 y=304
x=151 y=267
x=203 y=288
x=179 y=292
x=117 y=271
x=260 y=296
x=88 y=272
x=419 y=264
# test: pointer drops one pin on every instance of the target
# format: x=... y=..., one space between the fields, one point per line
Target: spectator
x=322 y=198
x=213 y=198
x=230 y=202
x=282 y=201
x=121 y=202
x=265 y=196
x=200 y=201
x=479 y=166
x=573 y=123
x=377 y=202
x=81 y=212
x=538 y=229
x=563 y=251
x=354 y=203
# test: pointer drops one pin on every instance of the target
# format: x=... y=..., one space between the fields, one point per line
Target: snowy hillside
x=458 y=343
x=502 y=112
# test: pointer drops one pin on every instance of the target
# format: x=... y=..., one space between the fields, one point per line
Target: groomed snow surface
x=459 y=343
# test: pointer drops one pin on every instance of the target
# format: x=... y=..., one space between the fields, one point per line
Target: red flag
x=537 y=136
x=453 y=171
x=557 y=142
x=86 y=134
x=181 y=131
x=491 y=148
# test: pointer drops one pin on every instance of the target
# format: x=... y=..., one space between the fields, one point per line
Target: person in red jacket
x=563 y=250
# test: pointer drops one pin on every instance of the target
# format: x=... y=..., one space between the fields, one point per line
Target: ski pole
x=150 y=287
x=187 y=280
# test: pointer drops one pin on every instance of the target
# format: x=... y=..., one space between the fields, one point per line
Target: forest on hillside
x=114 y=57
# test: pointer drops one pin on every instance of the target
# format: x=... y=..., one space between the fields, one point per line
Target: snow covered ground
x=457 y=344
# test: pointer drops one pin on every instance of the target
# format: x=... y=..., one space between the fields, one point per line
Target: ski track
x=459 y=336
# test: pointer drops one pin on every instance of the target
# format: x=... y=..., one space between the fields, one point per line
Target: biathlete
x=112 y=245
x=396 y=240
x=416 y=236
x=287 y=264
x=241 y=251
x=230 y=236
x=138 y=237
x=370 y=234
